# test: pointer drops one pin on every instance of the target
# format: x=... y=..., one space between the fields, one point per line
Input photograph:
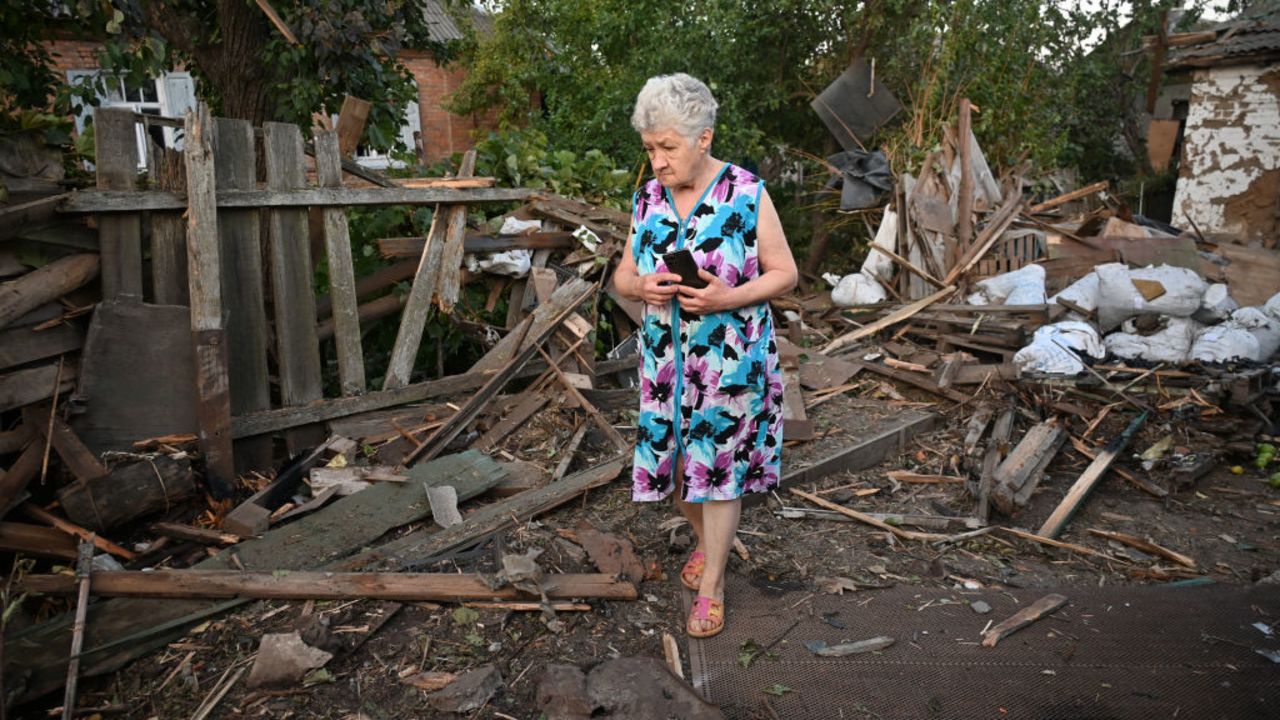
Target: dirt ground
x=1230 y=525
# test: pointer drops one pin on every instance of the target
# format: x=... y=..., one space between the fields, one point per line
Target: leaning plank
x=889 y=320
x=548 y=317
x=414 y=319
x=243 y=286
x=100 y=201
x=1024 y=617
x=28 y=292
x=82 y=462
x=37 y=540
x=208 y=336
x=31 y=385
x=22 y=345
x=997 y=450
x=291 y=276
x=303 y=585
x=1020 y=473
x=530 y=403
x=122 y=630
x=451 y=255
x=119 y=236
x=994 y=228
x=1145 y=546
x=13 y=482
x=1089 y=479
x=17 y=219
x=351 y=121
x=342 y=277
x=411 y=550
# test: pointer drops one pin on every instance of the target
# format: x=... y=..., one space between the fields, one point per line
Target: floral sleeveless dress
x=710 y=385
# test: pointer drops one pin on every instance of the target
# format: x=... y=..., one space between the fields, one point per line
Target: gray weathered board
x=137 y=377
x=40 y=652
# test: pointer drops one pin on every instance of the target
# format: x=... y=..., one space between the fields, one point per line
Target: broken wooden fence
x=244 y=266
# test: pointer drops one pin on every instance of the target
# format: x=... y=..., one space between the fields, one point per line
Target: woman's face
x=675 y=159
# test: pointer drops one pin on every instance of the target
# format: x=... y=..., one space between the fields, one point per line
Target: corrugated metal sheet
x=442 y=27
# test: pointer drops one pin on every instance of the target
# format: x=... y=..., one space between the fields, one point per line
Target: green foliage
x=522 y=158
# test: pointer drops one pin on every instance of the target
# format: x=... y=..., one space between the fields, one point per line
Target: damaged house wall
x=1229 y=182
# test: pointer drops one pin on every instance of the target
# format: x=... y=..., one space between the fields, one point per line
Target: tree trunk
x=240 y=83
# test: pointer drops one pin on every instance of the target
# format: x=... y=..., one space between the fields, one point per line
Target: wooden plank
x=351 y=121
x=22 y=345
x=1089 y=479
x=120 y=235
x=168 y=230
x=303 y=585
x=1145 y=546
x=997 y=449
x=37 y=540
x=293 y=300
x=367 y=313
x=917 y=380
x=11 y=441
x=380 y=279
x=565 y=300
x=82 y=462
x=402 y=247
x=451 y=255
x=276 y=20
x=342 y=276
x=126 y=201
x=243 y=287
x=867 y=519
x=13 y=483
x=447 y=182
x=795 y=424
x=18 y=218
x=889 y=320
x=1253 y=273
x=1020 y=473
x=414 y=548
x=191 y=533
x=418 y=306
x=208 y=336
x=31 y=385
x=28 y=292
x=994 y=228
x=530 y=403
x=964 y=201
x=1065 y=198
x=1024 y=617
x=124 y=629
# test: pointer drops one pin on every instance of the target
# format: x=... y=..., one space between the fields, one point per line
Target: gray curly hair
x=676 y=101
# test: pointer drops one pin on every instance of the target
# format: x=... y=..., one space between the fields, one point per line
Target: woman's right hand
x=657 y=288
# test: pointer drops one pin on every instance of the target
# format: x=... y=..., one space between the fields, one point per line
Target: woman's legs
x=691 y=511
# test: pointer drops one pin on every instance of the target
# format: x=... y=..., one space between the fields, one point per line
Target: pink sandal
x=705 y=608
x=691 y=574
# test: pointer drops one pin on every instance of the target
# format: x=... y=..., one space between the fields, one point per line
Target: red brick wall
x=73 y=55
x=443 y=133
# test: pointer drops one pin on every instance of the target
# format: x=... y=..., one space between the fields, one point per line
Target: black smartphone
x=681 y=262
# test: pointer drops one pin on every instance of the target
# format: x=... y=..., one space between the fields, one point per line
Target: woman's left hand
x=713 y=298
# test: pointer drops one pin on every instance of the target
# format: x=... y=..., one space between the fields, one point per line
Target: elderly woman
x=710 y=424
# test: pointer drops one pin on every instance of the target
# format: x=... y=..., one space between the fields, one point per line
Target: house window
x=411 y=123
x=170 y=95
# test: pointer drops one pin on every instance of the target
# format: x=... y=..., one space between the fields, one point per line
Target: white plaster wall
x=1232 y=136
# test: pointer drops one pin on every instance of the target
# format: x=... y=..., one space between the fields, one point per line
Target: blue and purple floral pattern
x=710 y=385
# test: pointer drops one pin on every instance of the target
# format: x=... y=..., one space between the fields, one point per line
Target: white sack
x=1055 y=349
x=514 y=226
x=878 y=264
x=1272 y=307
x=1083 y=292
x=1170 y=345
x=515 y=262
x=1250 y=334
x=1216 y=305
x=1119 y=300
x=858 y=289
x=1024 y=286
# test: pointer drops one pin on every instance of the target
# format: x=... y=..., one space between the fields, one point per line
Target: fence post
x=342 y=275
x=213 y=396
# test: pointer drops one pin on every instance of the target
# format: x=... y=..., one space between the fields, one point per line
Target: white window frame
x=174 y=93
